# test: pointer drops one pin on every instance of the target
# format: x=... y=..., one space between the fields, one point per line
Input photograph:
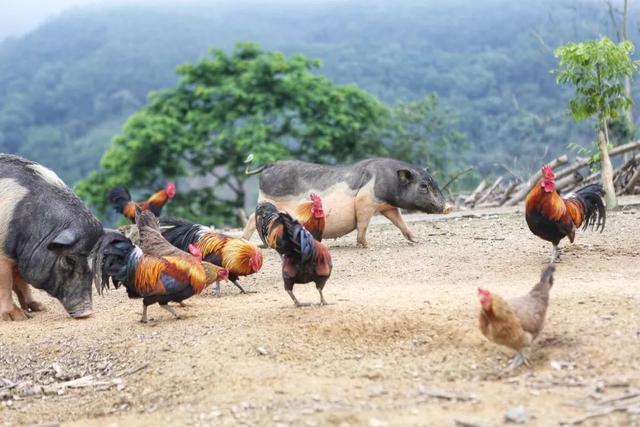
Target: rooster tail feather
x=595 y=214
x=119 y=197
x=298 y=243
x=306 y=244
x=112 y=260
x=266 y=213
x=180 y=232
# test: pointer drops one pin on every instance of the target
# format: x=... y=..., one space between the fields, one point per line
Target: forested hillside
x=67 y=87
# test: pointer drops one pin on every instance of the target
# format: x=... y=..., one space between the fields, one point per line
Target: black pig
x=46 y=235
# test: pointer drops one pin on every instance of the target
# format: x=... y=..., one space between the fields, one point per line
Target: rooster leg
x=295 y=300
x=293 y=297
x=217 y=291
x=144 y=314
x=555 y=254
x=170 y=310
x=322 y=300
x=242 y=291
x=182 y=304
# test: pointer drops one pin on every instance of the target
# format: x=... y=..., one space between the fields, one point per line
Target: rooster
x=120 y=199
x=517 y=322
x=239 y=256
x=304 y=259
x=154 y=271
x=311 y=215
x=553 y=218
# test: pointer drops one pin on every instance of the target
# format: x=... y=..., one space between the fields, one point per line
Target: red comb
x=315 y=199
x=171 y=189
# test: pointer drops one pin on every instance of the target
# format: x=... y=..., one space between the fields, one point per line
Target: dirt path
x=403 y=326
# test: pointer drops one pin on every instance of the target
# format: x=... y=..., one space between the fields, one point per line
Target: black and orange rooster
x=120 y=199
x=304 y=259
x=156 y=271
x=311 y=216
x=239 y=256
x=553 y=218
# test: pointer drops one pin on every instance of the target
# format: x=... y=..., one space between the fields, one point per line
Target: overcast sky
x=18 y=17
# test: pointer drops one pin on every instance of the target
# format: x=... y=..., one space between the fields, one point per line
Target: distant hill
x=67 y=87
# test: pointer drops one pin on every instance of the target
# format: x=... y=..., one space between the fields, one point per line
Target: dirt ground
x=400 y=345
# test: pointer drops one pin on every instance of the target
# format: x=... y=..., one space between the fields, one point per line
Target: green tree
x=224 y=107
x=422 y=133
x=597 y=69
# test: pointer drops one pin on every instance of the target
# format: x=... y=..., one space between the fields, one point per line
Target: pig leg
x=8 y=309
x=25 y=297
x=250 y=227
x=394 y=216
x=364 y=213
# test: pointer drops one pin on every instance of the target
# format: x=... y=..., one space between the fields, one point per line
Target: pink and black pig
x=351 y=194
x=46 y=236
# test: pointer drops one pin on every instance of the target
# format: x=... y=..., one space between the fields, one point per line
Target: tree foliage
x=225 y=107
x=423 y=133
x=492 y=73
x=597 y=70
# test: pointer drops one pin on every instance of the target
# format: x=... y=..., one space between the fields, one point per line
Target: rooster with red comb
x=552 y=217
x=120 y=199
x=311 y=216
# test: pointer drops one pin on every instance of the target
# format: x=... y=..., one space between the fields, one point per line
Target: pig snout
x=78 y=307
x=436 y=203
x=448 y=208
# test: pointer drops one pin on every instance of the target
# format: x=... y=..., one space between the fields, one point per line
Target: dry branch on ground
x=569 y=177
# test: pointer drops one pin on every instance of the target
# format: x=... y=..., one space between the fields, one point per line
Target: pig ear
x=64 y=239
x=405 y=176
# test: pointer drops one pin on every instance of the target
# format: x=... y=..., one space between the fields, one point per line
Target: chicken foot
x=242 y=291
x=295 y=300
x=322 y=300
x=170 y=310
x=235 y=282
x=519 y=360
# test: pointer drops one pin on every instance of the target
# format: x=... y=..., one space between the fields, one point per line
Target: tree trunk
x=605 y=167
x=627 y=80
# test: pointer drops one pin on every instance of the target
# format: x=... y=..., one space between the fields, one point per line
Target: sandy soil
x=402 y=330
